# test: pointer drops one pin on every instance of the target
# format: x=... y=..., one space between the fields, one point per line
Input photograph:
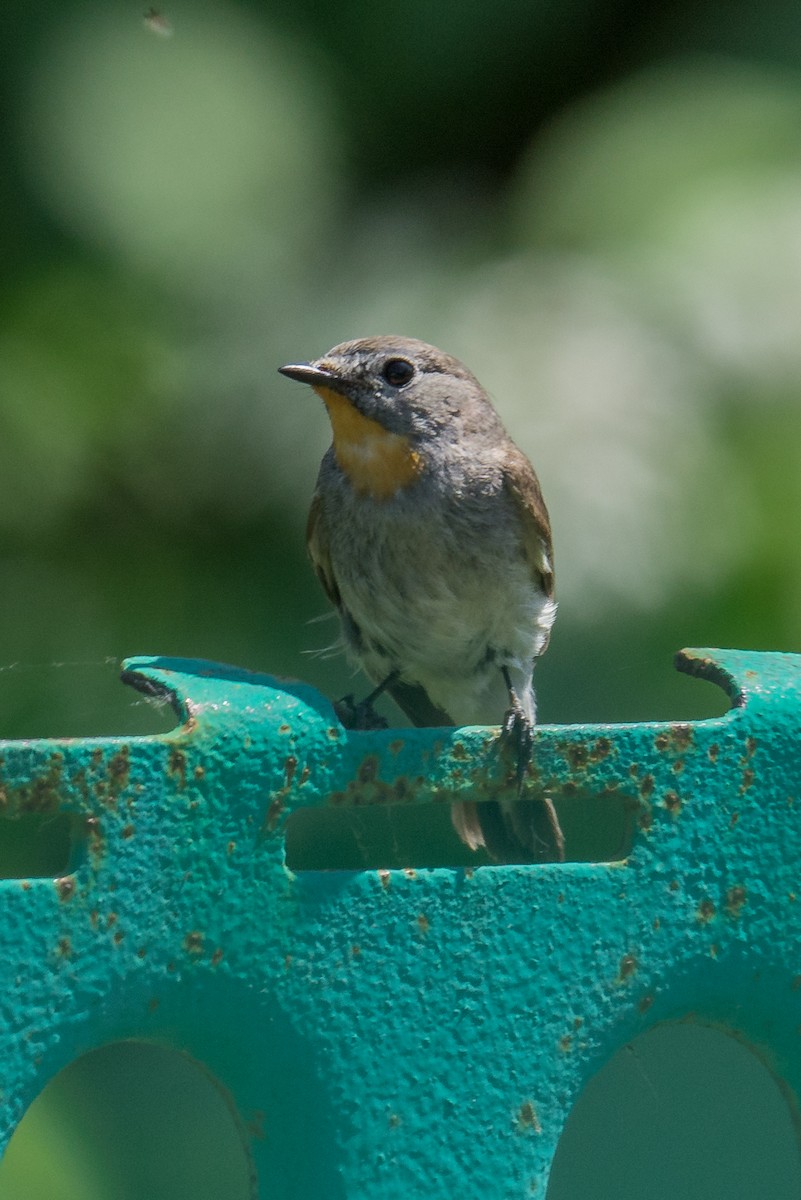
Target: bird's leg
x=535 y=823
x=362 y=715
x=517 y=732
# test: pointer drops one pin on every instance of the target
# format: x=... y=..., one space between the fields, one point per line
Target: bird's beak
x=307 y=373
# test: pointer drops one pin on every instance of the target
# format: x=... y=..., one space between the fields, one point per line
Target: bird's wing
x=523 y=487
x=317 y=543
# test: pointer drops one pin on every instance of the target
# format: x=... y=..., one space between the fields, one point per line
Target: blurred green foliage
x=605 y=225
x=596 y=205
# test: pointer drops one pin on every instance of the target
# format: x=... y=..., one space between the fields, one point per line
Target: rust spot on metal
x=64 y=947
x=95 y=838
x=176 y=765
x=673 y=803
x=410 y=872
x=656 y=924
x=217 y=957
x=25 y=885
x=459 y=751
x=285 y=729
x=577 y=755
x=645 y=817
x=290 y=766
x=791 y=896
x=735 y=899
x=628 y=965
x=469 y=872
x=355 y=950
x=385 y=877
x=287 y=961
x=41 y=795
x=706 y=910
x=423 y=923
x=677 y=739
x=748 y=779
x=634 y=770
x=750 y=746
x=274 y=812
x=401 y=788
x=94 y=918
x=193 y=942
x=368 y=769
x=577 y=1023
x=231 y=847
x=111 y=920
x=713 y=950
x=682 y=736
x=304 y=775
x=141 y=952
x=332 y=732
x=646 y=786
x=674 y=885
x=527 y=1117
x=566 y=1043
x=678 y=766
x=199 y=773
x=645 y=1003
x=733 y=819
x=601 y=750
x=118 y=936
x=713 y=752
x=127 y=831
x=65 y=887
x=394 y=1120
x=119 y=770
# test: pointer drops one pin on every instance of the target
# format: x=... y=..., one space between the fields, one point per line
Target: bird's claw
x=358 y=715
x=517 y=734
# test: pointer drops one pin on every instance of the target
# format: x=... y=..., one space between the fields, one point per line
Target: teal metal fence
x=412 y=1030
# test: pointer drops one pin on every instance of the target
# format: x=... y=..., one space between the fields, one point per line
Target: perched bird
x=430 y=536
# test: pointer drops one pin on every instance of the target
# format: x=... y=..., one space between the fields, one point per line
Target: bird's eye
x=397 y=371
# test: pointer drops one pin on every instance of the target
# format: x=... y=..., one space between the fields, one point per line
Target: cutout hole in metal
x=41 y=845
x=374 y=837
x=132 y=1120
x=704 y=1119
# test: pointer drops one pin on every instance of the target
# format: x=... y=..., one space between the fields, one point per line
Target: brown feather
x=317 y=544
x=523 y=486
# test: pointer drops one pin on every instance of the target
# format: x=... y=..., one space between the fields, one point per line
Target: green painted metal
x=391 y=1033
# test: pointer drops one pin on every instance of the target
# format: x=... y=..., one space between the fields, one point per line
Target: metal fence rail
x=424 y=1031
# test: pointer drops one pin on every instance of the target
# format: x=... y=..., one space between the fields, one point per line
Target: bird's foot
x=517 y=736
x=358 y=715
x=362 y=715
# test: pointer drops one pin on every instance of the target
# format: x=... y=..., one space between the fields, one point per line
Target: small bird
x=430 y=536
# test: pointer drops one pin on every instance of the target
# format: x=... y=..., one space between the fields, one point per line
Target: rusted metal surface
x=395 y=1033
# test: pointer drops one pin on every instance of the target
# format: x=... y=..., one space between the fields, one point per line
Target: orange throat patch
x=377 y=463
